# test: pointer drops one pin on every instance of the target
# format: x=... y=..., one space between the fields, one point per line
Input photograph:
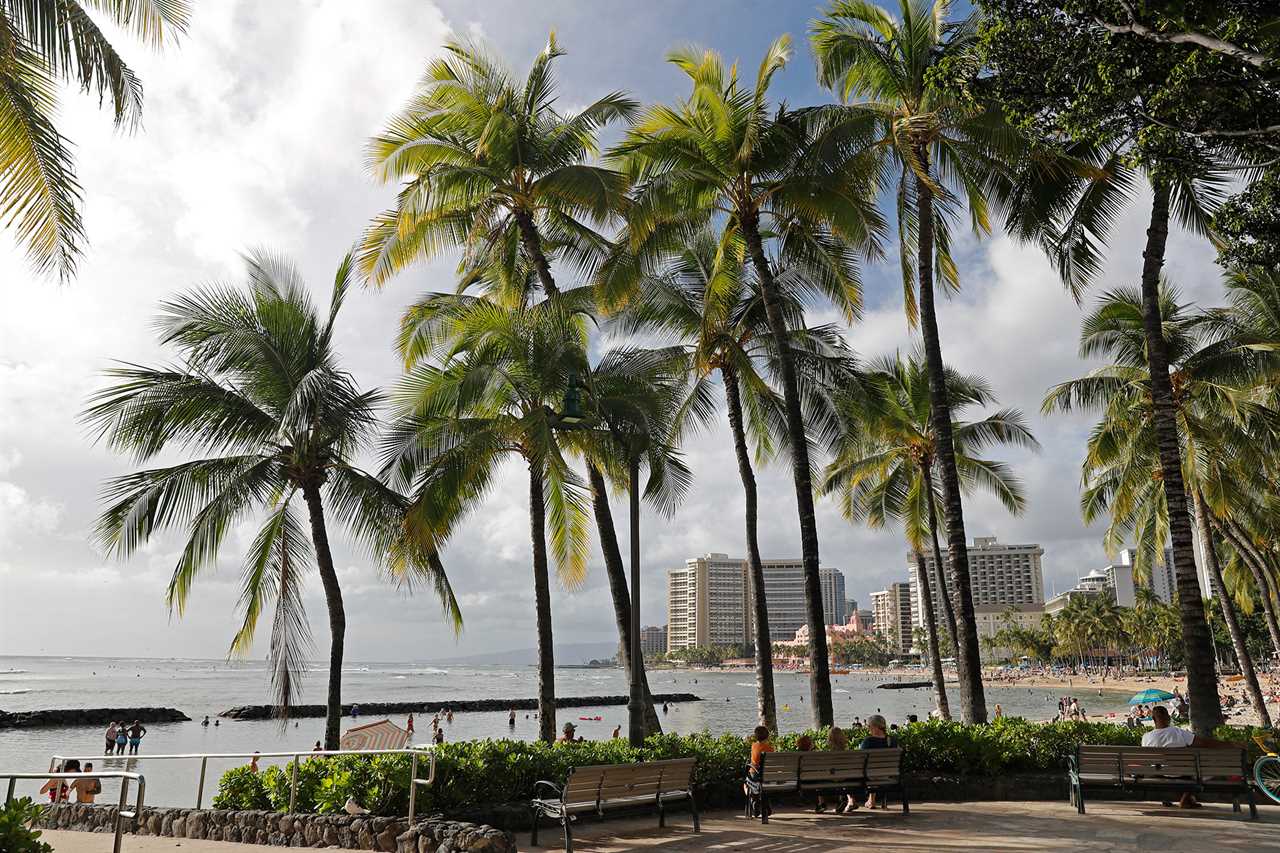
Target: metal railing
x=204 y=757
x=123 y=775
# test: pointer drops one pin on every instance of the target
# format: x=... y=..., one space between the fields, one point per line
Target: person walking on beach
x=110 y=734
x=136 y=733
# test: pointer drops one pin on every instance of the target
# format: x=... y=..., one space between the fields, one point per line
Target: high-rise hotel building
x=999 y=576
x=709 y=600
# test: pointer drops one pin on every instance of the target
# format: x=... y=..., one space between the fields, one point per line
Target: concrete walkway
x=1037 y=827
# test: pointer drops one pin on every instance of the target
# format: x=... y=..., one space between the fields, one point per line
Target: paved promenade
x=930 y=827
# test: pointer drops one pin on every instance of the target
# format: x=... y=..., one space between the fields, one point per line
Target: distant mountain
x=568 y=653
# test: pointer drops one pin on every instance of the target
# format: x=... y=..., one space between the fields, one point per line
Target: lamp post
x=633 y=440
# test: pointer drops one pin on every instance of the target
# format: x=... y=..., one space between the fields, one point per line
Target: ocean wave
x=13 y=671
x=744 y=684
x=13 y=692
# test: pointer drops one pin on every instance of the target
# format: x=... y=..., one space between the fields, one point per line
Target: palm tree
x=260 y=388
x=482 y=378
x=883 y=461
x=490 y=167
x=787 y=183
x=636 y=405
x=43 y=45
x=707 y=300
x=940 y=152
x=1123 y=469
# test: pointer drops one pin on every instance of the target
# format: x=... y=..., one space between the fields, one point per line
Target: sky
x=252 y=136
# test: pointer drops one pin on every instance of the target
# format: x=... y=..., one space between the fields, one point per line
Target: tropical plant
x=885 y=454
x=1123 y=470
x=941 y=153
x=44 y=44
x=705 y=298
x=637 y=408
x=790 y=186
x=260 y=388
x=1134 y=112
x=17 y=816
x=482 y=380
x=489 y=166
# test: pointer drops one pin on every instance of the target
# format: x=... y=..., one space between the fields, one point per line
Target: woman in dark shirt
x=877 y=738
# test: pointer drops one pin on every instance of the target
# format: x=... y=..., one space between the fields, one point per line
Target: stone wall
x=88 y=717
x=387 y=834
x=265 y=712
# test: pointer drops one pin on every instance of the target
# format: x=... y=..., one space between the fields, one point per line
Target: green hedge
x=493 y=772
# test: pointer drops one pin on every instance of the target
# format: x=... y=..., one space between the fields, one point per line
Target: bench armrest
x=559 y=792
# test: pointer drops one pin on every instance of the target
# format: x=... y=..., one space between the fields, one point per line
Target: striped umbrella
x=383 y=734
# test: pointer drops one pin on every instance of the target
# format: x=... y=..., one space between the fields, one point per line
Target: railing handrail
x=415 y=751
x=121 y=814
x=152 y=757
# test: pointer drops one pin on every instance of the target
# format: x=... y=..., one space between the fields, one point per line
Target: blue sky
x=252 y=136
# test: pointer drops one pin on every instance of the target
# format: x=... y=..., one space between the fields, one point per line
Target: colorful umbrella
x=383 y=734
x=1148 y=696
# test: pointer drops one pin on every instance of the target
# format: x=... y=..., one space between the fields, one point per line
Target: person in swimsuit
x=110 y=734
x=86 y=789
x=122 y=739
x=136 y=733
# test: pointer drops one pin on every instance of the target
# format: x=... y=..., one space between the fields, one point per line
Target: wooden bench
x=866 y=771
x=600 y=787
x=1160 y=773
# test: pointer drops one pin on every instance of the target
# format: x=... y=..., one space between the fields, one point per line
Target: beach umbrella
x=383 y=734
x=1150 y=695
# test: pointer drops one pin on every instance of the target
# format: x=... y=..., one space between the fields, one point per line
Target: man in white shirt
x=1169 y=736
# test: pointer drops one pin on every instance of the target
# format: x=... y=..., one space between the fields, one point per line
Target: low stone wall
x=88 y=717
x=265 y=712
x=387 y=834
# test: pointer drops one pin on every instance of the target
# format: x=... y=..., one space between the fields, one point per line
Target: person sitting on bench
x=1168 y=736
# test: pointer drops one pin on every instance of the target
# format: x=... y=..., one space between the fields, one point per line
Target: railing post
x=413 y=787
x=293 y=785
x=124 y=798
x=13 y=782
x=204 y=764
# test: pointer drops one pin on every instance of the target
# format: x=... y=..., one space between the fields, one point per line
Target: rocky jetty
x=430 y=706
x=88 y=717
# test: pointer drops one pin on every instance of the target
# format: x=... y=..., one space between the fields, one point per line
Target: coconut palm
x=637 y=406
x=482 y=378
x=260 y=392
x=488 y=165
x=705 y=298
x=43 y=45
x=942 y=154
x=883 y=460
x=792 y=187
x=1123 y=471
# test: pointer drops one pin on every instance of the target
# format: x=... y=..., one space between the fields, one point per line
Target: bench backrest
x=879 y=766
x=1125 y=762
x=884 y=766
x=600 y=783
x=832 y=766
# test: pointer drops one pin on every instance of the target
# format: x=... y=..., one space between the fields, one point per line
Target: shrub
x=15 y=836
x=241 y=788
x=480 y=773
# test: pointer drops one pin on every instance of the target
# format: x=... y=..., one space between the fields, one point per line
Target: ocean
x=207 y=687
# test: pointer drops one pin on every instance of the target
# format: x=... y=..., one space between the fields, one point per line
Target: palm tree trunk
x=973 y=702
x=617 y=575
x=766 y=701
x=939 y=567
x=531 y=240
x=931 y=630
x=819 y=664
x=1229 y=610
x=337 y=614
x=1202 y=678
x=1239 y=539
x=542 y=605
